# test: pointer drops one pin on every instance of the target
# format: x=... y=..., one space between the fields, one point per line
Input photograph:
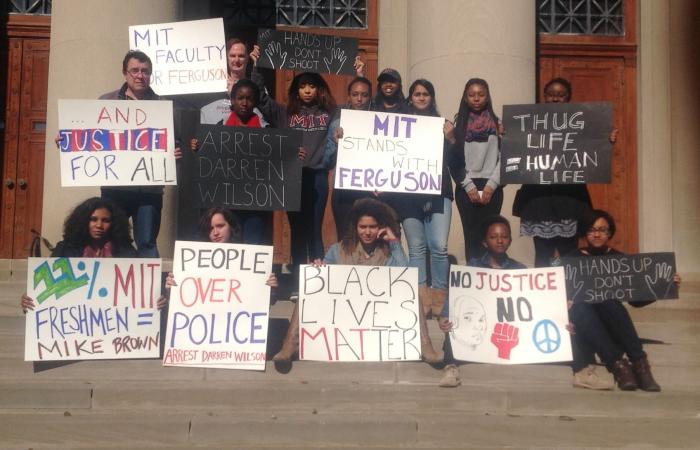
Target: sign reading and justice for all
x=188 y=57
x=556 y=143
x=509 y=316
x=358 y=313
x=92 y=308
x=219 y=310
x=390 y=152
x=116 y=143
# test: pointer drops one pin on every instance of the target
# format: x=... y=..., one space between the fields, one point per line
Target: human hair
x=564 y=82
x=230 y=42
x=362 y=80
x=245 y=82
x=432 y=107
x=462 y=115
x=229 y=217
x=380 y=211
x=76 y=228
x=324 y=98
x=493 y=220
x=591 y=218
x=137 y=55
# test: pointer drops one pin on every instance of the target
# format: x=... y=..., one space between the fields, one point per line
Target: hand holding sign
x=504 y=337
x=335 y=63
x=275 y=54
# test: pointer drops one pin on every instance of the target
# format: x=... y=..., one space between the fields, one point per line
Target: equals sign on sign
x=145 y=319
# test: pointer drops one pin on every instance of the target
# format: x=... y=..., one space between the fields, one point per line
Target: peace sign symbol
x=546 y=336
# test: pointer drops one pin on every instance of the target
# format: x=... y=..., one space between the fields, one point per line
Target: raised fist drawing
x=504 y=337
x=275 y=55
x=336 y=61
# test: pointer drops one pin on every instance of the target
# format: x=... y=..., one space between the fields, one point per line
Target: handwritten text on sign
x=248 y=168
x=556 y=143
x=641 y=277
x=509 y=316
x=188 y=57
x=116 y=143
x=307 y=52
x=92 y=308
x=219 y=310
x=358 y=313
x=390 y=152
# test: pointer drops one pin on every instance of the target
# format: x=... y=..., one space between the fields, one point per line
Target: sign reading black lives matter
x=636 y=278
x=308 y=52
x=556 y=143
x=247 y=168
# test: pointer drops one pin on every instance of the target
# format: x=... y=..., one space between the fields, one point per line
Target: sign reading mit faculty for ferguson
x=556 y=143
x=390 y=152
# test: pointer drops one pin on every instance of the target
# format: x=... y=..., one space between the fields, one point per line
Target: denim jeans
x=144 y=210
x=306 y=224
x=430 y=234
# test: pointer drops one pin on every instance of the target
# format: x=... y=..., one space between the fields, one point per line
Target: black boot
x=624 y=377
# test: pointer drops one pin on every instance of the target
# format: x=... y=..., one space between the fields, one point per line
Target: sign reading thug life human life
x=509 y=316
x=389 y=152
x=92 y=308
x=116 y=143
x=188 y=57
x=219 y=310
x=358 y=313
x=557 y=143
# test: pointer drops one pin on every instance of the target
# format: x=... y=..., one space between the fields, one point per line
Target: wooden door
x=25 y=117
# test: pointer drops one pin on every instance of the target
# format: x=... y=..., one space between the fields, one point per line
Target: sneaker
x=588 y=378
x=451 y=377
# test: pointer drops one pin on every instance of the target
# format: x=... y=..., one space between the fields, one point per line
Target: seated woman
x=370 y=239
x=496 y=241
x=96 y=228
x=606 y=328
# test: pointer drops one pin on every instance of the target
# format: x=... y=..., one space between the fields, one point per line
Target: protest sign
x=630 y=278
x=248 y=168
x=509 y=316
x=389 y=152
x=116 y=143
x=307 y=52
x=557 y=143
x=92 y=308
x=219 y=310
x=188 y=57
x=358 y=313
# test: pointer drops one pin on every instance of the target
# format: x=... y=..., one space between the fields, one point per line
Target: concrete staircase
x=139 y=404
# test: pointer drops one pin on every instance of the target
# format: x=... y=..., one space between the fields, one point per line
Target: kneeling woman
x=370 y=239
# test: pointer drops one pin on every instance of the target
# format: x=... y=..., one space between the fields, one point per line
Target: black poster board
x=637 y=278
x=247 y=168
x=556 y=143
x=306 y=52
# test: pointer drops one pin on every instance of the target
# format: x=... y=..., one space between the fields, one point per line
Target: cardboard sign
x=116 y=143
x=248 y=168
x=306 y=52
x=188 y=57
x=92 y=308
x=629 y=278
x=219 y=310
x=556 y=143
x=358 y=313
x=509 y=316
x=390 y=152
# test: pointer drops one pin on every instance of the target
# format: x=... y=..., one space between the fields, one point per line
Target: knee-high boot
x=290 y=345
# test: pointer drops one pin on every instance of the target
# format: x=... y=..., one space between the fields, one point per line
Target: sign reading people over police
x=358 y=313
x=636 y=278
x=188 y=57
x=307 y=52
x=248 y=168
x=389 y=152
x=92 y=308
x=219 y=310
x=116 y=143
x=509 y=316
x=556 y=143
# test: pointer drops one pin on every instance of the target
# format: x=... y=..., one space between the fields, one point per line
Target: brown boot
x=426 y=300
x=622 y=371
x=644 y=377
x=439 y=297
x=290 y=346
x=428 y=354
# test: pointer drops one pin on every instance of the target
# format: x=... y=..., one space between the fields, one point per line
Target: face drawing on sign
x=470 y=319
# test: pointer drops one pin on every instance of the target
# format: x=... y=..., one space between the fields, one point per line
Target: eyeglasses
x=143 y=71
x=602 y=230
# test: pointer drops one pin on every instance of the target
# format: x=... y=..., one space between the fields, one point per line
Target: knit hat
x=389 y=74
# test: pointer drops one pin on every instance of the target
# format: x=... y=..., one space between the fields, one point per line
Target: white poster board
x=389 y=152
x=509 y=316
x=219 y=311
x=188 y=57
x=92 y=308
x=358 y=313
x=116 y=143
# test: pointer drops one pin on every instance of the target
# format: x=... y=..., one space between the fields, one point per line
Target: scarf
x=359 y=257
x=480 y=125
x=234 y=121
x=103 y=252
